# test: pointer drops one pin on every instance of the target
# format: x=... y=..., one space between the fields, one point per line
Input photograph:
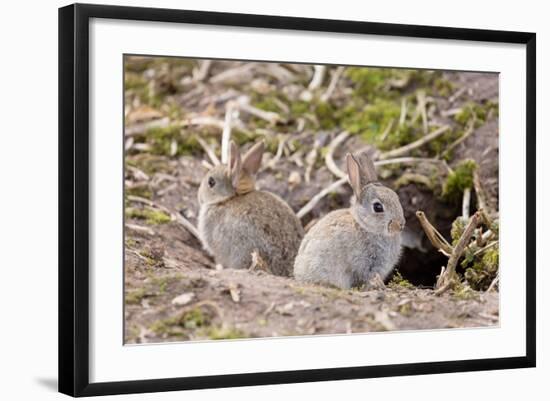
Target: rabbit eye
x=211 y=182
x=377 y=207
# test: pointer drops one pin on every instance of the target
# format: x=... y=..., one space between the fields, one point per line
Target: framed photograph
x=251 y=199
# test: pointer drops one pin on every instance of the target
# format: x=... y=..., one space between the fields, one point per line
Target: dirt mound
x=174 y=292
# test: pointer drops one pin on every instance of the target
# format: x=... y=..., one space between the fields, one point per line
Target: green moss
x=169 y=326
x=135 y=296
x=458 y=180
x=137 y=64
x=148 y=163
x=142 y=191
x=180 y=324
x=483 y=271
x=370 y=83
x=299 y=107
x=326 y=115
x=439 y=145
x=443 y=87
x=133 y=81
x=151 y=216
x=464 y=292
x=372 y=120
x=398 y=281
x=193 y=319
x=457 y=228
x=150 y=259
x=224 y=333
x=267 y=103
x=368 y=80
x=162 y=138
x=405 y=309
x=476 y=111
x=412 y=178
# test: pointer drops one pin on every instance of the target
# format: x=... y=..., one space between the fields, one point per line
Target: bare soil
x=244 y=304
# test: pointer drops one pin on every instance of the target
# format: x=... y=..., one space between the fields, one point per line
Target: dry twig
x=333 y=82
x=466 y=203
x=226 y=133
x=139 y=229
x=174 y=216
x=279 y=154
x=481 y=196
x=433 y=235
x=403 y=114
x=209 y=151
x=416 y=144
x=308 y=207
x=448 y=276
x=318 y=76
x=329 y=158
x=463 y=137
x=202 y=72
x=494 y=283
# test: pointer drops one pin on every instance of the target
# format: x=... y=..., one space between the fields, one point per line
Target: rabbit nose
x=396 y=225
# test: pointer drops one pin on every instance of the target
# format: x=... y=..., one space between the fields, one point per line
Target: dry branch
x=139 y=229
x=462 y=138
x=209 y=151
x=416 y=144
x=279 y=154
x=448 y=276
x=403 y=114
x=333 y=82
x=494 y=283
x=269 y=116
x=421 y=98
x=329 y=158
x=318 y=76
x=433 y=235
x=480 y=195
x=226 y=133
x=174 y=216
x=141 y=128
x=202 y=72
x=229 y=75
x=311 y=158
x=466 y=203
x=407 y=160
x=308 y=207
x=457 y=94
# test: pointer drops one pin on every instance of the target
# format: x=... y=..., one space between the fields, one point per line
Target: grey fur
x=232 y=224
x=347 y=247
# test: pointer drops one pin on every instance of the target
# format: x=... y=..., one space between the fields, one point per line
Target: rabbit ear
x=234 y=164
x=252 y=160
x=368 y=171
x=354 y=174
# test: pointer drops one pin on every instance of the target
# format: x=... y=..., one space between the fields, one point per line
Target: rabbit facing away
x=236 y=220
x=347 y=247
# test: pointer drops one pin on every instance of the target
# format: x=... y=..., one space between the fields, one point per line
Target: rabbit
x=235 y=219
x=348 y=247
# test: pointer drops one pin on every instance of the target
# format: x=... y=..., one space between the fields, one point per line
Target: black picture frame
x=74 y=198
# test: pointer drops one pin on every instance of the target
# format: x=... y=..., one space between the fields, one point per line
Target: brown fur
x=236 y=220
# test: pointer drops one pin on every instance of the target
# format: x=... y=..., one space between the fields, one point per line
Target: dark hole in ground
x=422 y=264
x=421 y=268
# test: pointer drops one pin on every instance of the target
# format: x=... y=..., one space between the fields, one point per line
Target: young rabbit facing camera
x=347 y=247
x=235 y=219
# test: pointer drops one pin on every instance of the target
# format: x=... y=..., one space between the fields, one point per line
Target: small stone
x=183 y=299
x=294 y=179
